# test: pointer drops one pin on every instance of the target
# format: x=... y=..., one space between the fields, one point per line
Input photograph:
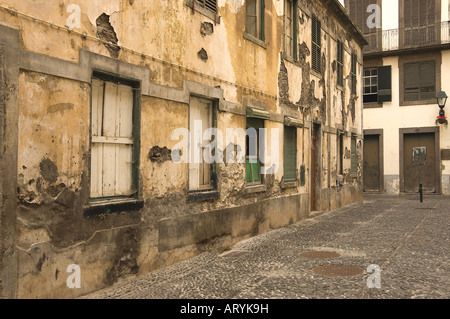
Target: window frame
x=119 y=200
x=291 y=52
x=340 y=64
x=316 y=44
x=213 y=166
x=197 y=5
x=247 y=151
x=353 y=156
x=419 y=79
x=353 y=73
x=260 y=36
x=371 y=85
x=435 y=56
x=290 y=179
x=203 y=4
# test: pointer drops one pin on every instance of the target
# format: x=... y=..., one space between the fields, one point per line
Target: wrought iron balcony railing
x=414 y=37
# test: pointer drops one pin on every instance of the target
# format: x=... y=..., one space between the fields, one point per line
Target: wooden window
x=112 y=140
x=419 y=81
x=420 y=18
x=316 y=31
x=377 y=84
x=354 y=157
x=370 y=85
x=340 y=63
x=290 y=7
x=200 y=119
x=254 y=20
x=210 y=5
x=290 y=154
x=359 y=14
x=253 y=163
x=353 y=73
x=341 y=153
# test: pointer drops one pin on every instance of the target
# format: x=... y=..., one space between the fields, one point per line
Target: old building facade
x=136 y=134
x=405 y=67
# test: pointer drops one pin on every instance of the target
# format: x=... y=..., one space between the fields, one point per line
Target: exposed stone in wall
x=49 y=170
x=283 y=83
x=344 y=113
x=308 y=99
x=207 y=28
x=203 y=55
x=352 y=109
x=160 y=155
x=105 y=32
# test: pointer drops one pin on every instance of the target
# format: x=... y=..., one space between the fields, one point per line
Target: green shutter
x=290 y=154
x=263 y=21
x=354 y=157
x=294 y=32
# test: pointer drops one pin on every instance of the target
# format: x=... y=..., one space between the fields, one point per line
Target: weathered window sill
x=316 y=74
x=285 y=185
x=202 y=196
x=255 y=40
x=372 y=105
x=112 y=206
x=417 y=102
x=290 y=59
x=250 y=189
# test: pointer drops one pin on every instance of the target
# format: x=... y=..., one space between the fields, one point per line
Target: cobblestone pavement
x=407 y=239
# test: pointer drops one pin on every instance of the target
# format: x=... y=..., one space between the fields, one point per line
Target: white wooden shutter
x=194 y=166
x=112 y=140
x=199 y=170
x=288 y=26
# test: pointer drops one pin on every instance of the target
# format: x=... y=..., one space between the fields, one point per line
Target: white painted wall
x=391 y=117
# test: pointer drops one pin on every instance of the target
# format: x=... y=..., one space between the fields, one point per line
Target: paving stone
x=407 y=239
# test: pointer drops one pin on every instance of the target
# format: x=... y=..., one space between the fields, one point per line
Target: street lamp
x=441 y=100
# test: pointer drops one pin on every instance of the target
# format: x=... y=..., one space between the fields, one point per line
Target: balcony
x=408 y=38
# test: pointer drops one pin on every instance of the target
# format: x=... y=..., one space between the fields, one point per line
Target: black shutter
x=384 y=84
x=340 y=63
x=316 y=44
x=353 y=73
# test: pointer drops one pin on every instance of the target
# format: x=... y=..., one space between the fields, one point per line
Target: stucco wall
x=159 y=45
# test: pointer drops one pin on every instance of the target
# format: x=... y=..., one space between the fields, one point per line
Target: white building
x=405 y=66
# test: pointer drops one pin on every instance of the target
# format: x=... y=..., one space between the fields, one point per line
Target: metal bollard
x=421 y=193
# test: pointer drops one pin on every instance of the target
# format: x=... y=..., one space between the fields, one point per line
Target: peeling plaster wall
x=54 y=143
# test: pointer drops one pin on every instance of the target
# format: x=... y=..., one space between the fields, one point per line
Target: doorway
x=373 y=161
x=419 y=160
x=315 y=166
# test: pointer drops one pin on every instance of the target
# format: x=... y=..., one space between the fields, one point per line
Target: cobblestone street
x=407 y=239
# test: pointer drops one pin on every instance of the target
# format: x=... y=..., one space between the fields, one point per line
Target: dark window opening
x=316 y=44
